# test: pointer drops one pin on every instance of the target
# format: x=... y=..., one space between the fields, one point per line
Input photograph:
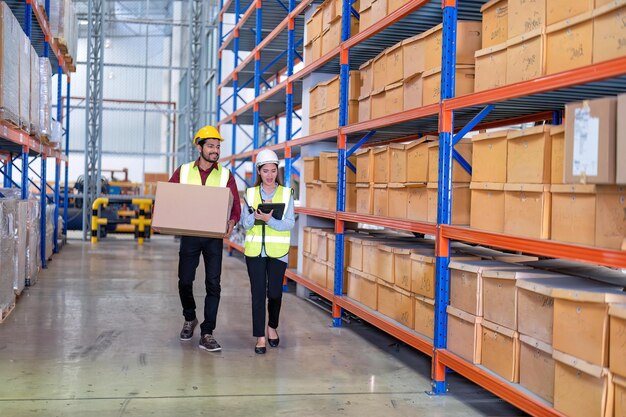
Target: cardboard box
x=318 y=98
x=559 y=10
x=413 y=92
x=365 y=109
x=466 y=283
x=417 y=159
x=378 y=104
x=366 y=75
x=306 y=240
x=398 y=195
x=314 y=25
x=413 y=59
x=311 y=168
x=364 y=198
x=313 y=50
x=489 y=156
x=355 y=252
x=417 y=202
x=608 y=31
x=422 y=267
x=500 y=350
x=398 y=162
x=569 y=44
x=402 y=265
x=581 y=389
x=574 y=213
x=350 y=197
x=394 y=5
x=525 y=56
x=619 y=387
x=394 y=64
x=396 y=304
x=527 y=210
x=557 y=137
x=621 y=140
x=362 y=288
x=528 y=155
x=364 y=165
x=464 y=335
x=380 y=71
x=582 y=328
x=617 y=339
x=379 y=10
x=487 y=206
x=381 y=200
x=536 y=367
x=491 y=66
x=381 y=164
x=177 y=206
x=468 y=41
x=425 y=316
x=366 y=15
x=329 y=165
x=495 y=22
x=460 y=203
x=331 y=10
x=459 y=174
x=590 y=141
x=500 y=294
x=525 y=16
x=431 y=84
x=394 y=98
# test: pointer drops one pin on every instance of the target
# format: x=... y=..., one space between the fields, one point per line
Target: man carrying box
x=208 y=172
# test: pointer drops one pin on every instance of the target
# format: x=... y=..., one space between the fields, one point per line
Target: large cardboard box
x=422 y=270
x=464 y=335
x=466 y=283
x=402 y=265
x=329 y=166
x=413 y=59
x=621 y=140
x=525 y=56
x=381 y=200
x=574 y=213
x=394 y=64
x=491 y=66
x=413 y=92
x=377 y=105
x=569 y=44
x=487 y=206
x=582 y=326
x=590 y=141
x=500 y=350
x=417 y=202
x=364 y=198
x=364 y=165
x=559 y=10
x=619 y=386
x=417 y=159
x=381 y=164
x=527 y=210
x=176 y=209
x=431 y=83
x=617 y=339
x=313 y=50
x=525 y=16
x=489 y=157
x=396 y=303
x=314 y=25
x=398 y=162
x=365 y=109
x=366 y=75
x=460 y=203
x=495 y=22
x=529 y=155
x=459 y=174
x=394 y=98
x=380 y=71
x=581 y=389
x=398 y=195
x=311 y=168
x=468 y=41
x=557 y=134
x=425 y=316
x=608 y=30
x=362 y=288
x=536 y=367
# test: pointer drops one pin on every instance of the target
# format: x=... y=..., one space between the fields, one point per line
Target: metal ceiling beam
x=196 y=66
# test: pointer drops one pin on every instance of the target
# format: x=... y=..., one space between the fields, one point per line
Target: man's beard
x=211 y=157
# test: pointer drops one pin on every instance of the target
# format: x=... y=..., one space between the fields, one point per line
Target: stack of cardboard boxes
x=525 y=39
x=323 y=29
x=324 y=103
x=320 y=176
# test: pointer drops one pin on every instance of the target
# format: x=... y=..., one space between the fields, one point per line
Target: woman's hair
x=258 y=177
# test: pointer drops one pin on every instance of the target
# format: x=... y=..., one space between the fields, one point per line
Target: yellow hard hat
x=207 y=132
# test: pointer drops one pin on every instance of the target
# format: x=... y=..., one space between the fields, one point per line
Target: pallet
x=9 y=118
x=5 y=312
x=62 y=45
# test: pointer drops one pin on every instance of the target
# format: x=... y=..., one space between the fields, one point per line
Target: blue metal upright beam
x=444 y=201
x=8 y=172
x=235 y=77
x=57 y=165
x=43 y=210
x=291 y=47
x=257 y=75
x=67 y=156
x=25 y=172
x=46 y=47
x=220 y=29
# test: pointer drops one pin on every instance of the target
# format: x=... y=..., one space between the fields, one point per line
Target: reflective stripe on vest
x=276 y=243
x=190 y=174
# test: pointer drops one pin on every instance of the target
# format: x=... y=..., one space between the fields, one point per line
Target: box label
x=586 y=143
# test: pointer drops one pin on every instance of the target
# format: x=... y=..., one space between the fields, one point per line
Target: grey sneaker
x=208 y=343
x=187 y=331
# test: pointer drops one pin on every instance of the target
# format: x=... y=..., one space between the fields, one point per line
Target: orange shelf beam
x=409 y=225
x=405 y=116
x=244 y=18
x=550 y=248
x=18 y=137
x=316 y=288
x=327 y=214
x=40 y=15
x=226 y=6
x=502 y=389
x=406 y=335
x=251 y=104
x=588 y=74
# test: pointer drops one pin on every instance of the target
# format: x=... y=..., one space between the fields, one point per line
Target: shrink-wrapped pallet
x=7 y=248
x=45 y=96
x=9 y=65
x=34 y=91
x=24 y=77
x=50 y=238
x=19 y=261
x=57 y=132
x=57 y=17
x=33 y=227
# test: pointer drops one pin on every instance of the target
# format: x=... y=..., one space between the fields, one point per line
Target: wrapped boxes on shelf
x=45 y=96
x=8 y=232
x=33 y=241
x=9 y=65
x=24 y=91
x=34 y=92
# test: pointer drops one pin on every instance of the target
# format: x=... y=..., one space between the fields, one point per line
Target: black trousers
x=188 y=260
x=266 y=278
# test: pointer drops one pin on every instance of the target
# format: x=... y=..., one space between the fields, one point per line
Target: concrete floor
x=98 y=336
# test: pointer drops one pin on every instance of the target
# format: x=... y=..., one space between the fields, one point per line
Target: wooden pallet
x=4 y=313
x=62 y=45
x=9 y=118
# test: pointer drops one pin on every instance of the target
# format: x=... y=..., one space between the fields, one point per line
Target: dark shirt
x=204 y=174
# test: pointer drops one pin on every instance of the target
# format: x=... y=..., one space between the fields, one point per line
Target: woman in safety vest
x=267 y=246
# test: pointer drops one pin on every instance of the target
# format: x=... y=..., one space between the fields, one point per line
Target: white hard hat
x=266 y=156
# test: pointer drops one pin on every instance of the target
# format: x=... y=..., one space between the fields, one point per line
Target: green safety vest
x=276 y=243
x=190 y=174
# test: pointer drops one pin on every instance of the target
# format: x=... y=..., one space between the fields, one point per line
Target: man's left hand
x=229 y=230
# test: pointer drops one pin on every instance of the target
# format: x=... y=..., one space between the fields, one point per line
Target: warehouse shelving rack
x=16 y=145
x=541 y=99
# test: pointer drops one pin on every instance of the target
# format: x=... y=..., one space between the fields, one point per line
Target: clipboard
x=279 y=209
